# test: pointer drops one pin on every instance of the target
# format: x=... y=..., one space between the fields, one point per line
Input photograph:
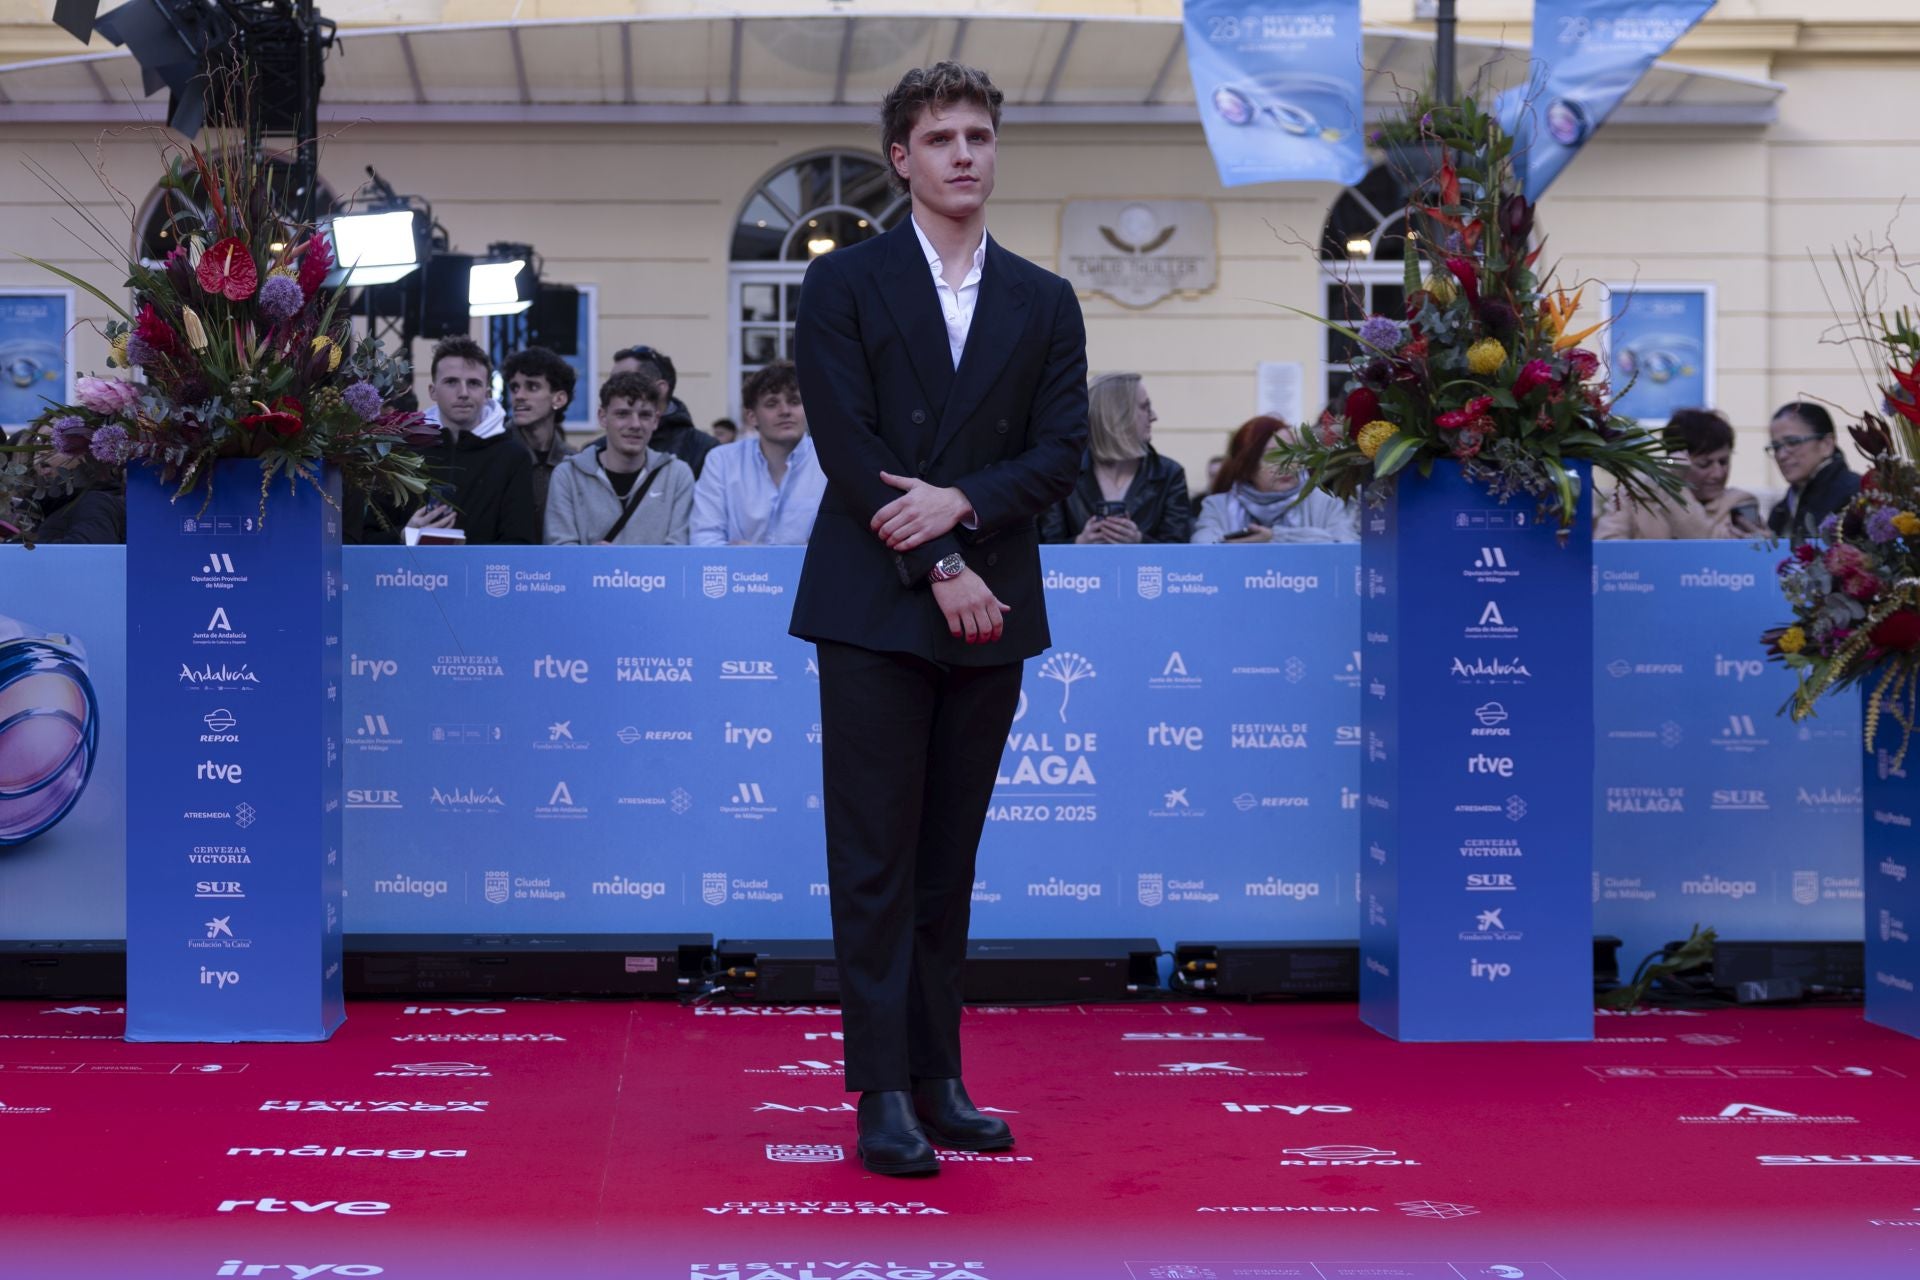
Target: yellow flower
x=1792 y=640
x=1906 y=524
x=196 y=332
x=1374 y=435
x=1442 y=289
x=1486 y=356
x=332 y=348
x=118 y=350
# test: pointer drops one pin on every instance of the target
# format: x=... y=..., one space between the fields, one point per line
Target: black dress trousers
x=911 y=749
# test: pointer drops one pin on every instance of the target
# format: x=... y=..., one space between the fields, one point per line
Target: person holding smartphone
x=1701 y=441
x=1126 y=492
x=1255 y=500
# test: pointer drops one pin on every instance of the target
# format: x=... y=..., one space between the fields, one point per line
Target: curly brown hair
x=943 y=85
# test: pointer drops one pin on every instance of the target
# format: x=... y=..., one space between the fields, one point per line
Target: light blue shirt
x=736 y=500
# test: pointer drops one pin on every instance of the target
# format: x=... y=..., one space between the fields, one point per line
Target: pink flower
x=107 y=396
x=1843 y=560
x=1533 y=375
x=1583 y=363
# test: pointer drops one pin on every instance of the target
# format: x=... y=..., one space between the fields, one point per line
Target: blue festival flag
x=1587 y=56
x=1278 y=87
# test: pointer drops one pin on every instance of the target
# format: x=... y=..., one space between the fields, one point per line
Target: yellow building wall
x=646 y=213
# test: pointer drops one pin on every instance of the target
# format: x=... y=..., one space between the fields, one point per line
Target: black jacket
x=677 y=435
x=1827 y=491
x=488 y=482
x=90 y=516
x=1007 y=428
x=1156 y=502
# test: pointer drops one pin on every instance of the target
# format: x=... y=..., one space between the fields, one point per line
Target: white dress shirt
x=736 y=499
x=956 y=304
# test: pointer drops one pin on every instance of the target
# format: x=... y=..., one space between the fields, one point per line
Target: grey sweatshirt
x=582 y=504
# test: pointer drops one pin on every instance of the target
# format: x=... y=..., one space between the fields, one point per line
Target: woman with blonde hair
x=1126 y=492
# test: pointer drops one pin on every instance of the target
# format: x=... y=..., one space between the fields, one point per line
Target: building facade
x=682 y=165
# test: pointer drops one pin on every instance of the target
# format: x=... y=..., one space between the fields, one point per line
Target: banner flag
x=1587 y=56
x=1278 y=87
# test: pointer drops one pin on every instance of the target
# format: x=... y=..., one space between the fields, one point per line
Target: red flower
x=1583 y=363
x=315 y=263
x=1363 y=406
x=1534 y=375
x=1899 y=631
x=1469 y=278
x=159 y=336
x=286 y=418
x=227 y=269
x=1806 y=553
x=1863 y=586
x=1908 y=406
x=1474 y=408
x=1416 y=351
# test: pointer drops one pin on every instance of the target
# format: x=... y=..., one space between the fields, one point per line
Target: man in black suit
x=945 y=384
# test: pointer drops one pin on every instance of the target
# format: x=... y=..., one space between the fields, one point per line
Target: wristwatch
x=949 y=567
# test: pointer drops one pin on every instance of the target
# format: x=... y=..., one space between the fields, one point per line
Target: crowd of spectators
x=504 y=471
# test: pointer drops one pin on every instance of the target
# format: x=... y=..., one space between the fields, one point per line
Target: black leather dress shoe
x=890 y=1138
x=950 y=1118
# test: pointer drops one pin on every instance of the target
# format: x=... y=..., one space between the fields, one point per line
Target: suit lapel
x=999 y=316
x=915 y=307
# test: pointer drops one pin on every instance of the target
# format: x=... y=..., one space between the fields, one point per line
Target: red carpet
x=1156 y=1142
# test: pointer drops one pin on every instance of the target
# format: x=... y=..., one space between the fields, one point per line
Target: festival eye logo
x=49 y=729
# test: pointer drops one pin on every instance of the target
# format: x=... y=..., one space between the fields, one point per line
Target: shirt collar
x=933 y=257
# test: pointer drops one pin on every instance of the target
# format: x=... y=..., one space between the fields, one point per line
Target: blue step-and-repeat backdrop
x=546 y=739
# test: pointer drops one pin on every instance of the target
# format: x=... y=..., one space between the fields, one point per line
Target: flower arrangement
x=1856 y=600
x=1485 y=367
x=240 y=350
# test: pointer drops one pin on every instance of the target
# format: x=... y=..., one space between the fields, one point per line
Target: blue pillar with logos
x=1891 y=803
x=1477 y=777
x=234 y=927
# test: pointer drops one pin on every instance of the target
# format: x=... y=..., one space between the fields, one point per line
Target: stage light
x=499 y=288
x=172 y=40
x=373 y=248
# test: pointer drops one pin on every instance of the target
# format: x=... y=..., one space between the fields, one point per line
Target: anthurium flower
x=228 y=270
x=285 y=418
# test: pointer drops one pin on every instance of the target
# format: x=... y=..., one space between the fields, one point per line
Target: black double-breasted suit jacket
x=1006 y=428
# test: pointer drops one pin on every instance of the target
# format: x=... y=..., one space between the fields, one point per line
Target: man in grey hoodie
x=620 y=492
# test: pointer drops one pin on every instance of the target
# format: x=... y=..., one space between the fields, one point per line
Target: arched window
x=166 y=209
x=812 y=205
x=1361 y=265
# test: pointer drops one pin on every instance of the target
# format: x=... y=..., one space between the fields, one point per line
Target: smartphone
x=1236 y=537
x=1113 y=508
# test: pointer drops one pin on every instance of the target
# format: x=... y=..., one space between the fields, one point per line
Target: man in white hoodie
x=482 y=476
